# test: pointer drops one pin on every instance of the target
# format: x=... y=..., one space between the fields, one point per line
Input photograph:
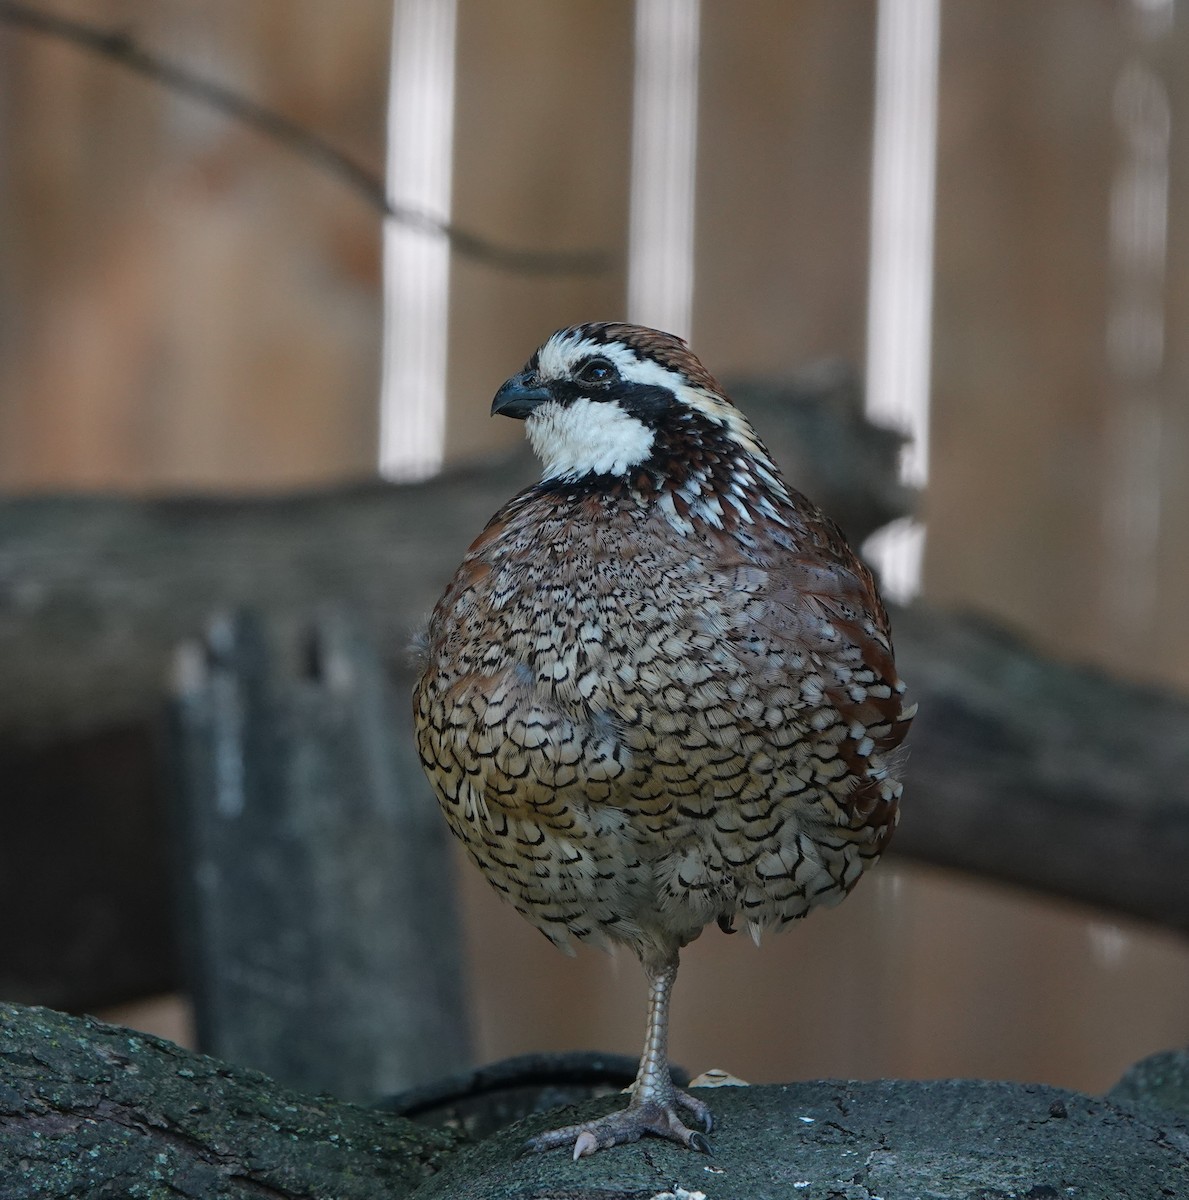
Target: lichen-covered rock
x=1159 y=1081
x=89 y=1110
x=96 y=1112
x=891 y=1140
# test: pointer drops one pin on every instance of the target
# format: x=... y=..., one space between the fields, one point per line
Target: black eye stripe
x=647 y=402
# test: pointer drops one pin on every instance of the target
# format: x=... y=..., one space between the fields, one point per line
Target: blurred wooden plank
x=1170 y=631
x=1014 y=508
x=1035 y=424
x=197 y=305
x=784 y=161
x=542 y=154
x=321 y=932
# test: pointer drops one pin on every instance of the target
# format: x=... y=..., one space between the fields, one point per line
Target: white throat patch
x=587 y=436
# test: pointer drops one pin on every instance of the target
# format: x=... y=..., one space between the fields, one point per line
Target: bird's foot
x=629 y=1125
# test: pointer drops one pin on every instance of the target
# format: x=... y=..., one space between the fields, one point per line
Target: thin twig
x=120 y=47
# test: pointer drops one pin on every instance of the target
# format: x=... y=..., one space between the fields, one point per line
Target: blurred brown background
x=185 y=305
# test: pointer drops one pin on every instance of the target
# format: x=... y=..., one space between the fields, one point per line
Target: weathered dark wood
x=1041 y=773
x=323 y=942
x=95 y=592
x=91 y=1110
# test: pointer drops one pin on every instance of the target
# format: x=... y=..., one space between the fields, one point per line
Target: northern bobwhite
x=659 y=692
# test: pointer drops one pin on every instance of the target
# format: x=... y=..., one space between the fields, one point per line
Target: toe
x=698 y=1109
x=628 y=1125
x=552 y=1139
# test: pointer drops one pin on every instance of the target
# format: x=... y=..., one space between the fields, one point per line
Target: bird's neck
x=724 y=488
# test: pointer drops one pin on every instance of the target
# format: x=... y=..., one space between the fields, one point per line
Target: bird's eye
x=596 y=370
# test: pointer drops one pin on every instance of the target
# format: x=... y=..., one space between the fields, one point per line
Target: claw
x=699 y=1142
x=585 y=1143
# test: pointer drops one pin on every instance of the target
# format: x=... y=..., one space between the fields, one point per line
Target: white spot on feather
x=675 y=519
x=474 y=805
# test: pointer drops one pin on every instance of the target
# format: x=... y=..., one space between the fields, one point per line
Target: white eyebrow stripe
x=561 y=355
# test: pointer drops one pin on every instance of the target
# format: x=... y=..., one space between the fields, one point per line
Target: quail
x=659 y=691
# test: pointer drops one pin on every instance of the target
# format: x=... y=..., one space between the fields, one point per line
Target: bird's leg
x=655 y=1101
x=654 y=1083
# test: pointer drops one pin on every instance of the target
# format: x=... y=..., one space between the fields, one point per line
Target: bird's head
x=610 y=398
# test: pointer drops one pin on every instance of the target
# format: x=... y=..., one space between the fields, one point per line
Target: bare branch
x=119 y=46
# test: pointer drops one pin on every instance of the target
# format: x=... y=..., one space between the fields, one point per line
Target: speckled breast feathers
x=660 y=690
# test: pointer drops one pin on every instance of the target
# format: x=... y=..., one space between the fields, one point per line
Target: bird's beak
x=520 y=396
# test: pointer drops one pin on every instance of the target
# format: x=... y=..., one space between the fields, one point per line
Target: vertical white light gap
x=1136 y=331
x=900 y=282
x=664 y=146
x=417 y=261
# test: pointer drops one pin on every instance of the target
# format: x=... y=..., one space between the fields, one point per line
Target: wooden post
x=320 y=930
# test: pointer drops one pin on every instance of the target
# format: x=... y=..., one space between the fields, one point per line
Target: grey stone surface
x=93 y=1112
x=89 y=1110
x=891 y=1140
x=1158 y=1082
